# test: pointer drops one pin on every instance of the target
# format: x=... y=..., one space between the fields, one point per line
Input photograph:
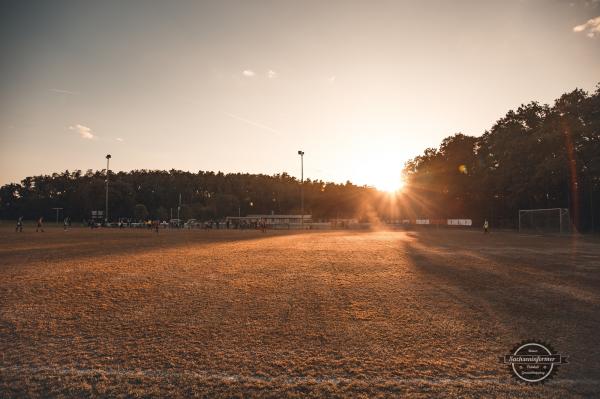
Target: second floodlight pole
x=178 y=209
x=57 y=210
x=301 y=153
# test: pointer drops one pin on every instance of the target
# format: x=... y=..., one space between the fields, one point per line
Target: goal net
x=545 y=221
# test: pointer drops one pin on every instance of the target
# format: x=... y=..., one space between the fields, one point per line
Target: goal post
x=545 y=221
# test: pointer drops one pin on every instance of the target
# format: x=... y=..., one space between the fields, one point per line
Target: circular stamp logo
x=533 y=361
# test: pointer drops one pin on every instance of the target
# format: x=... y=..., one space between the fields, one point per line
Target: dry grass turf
x=324 y=314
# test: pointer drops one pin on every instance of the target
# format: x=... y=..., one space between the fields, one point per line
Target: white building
x=270 y=219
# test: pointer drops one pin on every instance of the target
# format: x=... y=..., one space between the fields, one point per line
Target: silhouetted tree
x=537 y=156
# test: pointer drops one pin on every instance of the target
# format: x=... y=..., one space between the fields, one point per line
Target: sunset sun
x=389 y=180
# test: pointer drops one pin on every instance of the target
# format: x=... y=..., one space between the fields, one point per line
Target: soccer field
x=282 y=314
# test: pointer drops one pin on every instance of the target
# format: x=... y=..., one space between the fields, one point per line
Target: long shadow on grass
x=488 y=290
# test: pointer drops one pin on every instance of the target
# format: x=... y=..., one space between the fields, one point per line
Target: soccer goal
x=545 y=221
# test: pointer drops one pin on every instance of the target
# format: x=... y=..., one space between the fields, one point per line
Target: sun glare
x=380 y=171
x=382 y=161
x=390 y=181
x=390 y=186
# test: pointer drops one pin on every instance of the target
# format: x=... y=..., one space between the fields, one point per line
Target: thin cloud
x=591 y=27
x=248 y=73
x=83 y=131
x=62 y=91
x=252 y=123
x=119 y=139
x=585 y=3
x=332 y=79
x=271 y=74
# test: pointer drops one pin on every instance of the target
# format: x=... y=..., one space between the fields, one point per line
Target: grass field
x=323 y=314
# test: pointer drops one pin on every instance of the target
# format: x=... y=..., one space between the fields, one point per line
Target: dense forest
x=141 y=194
x=537 y=156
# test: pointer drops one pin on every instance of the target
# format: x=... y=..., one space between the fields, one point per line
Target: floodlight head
x=300 y=152
x=108 y=156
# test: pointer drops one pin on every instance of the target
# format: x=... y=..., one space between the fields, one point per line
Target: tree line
x=537 y=156
x=156 y=194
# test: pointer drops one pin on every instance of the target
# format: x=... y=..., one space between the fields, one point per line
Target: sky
x=241 y=86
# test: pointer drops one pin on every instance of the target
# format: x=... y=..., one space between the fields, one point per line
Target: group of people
x=245 y=225
x=155 y=225
x=40 y=224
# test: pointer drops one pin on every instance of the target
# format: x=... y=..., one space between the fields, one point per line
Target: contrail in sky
x=61 y=91
x=252 y=123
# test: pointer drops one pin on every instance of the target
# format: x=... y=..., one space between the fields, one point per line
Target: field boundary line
x=271 y=379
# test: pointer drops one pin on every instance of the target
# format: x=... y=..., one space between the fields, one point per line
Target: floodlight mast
x=57 y=210
x=301 y=153
x=178 y=209
x=106 y=204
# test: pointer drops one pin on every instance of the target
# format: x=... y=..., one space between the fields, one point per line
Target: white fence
x=460 y=222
